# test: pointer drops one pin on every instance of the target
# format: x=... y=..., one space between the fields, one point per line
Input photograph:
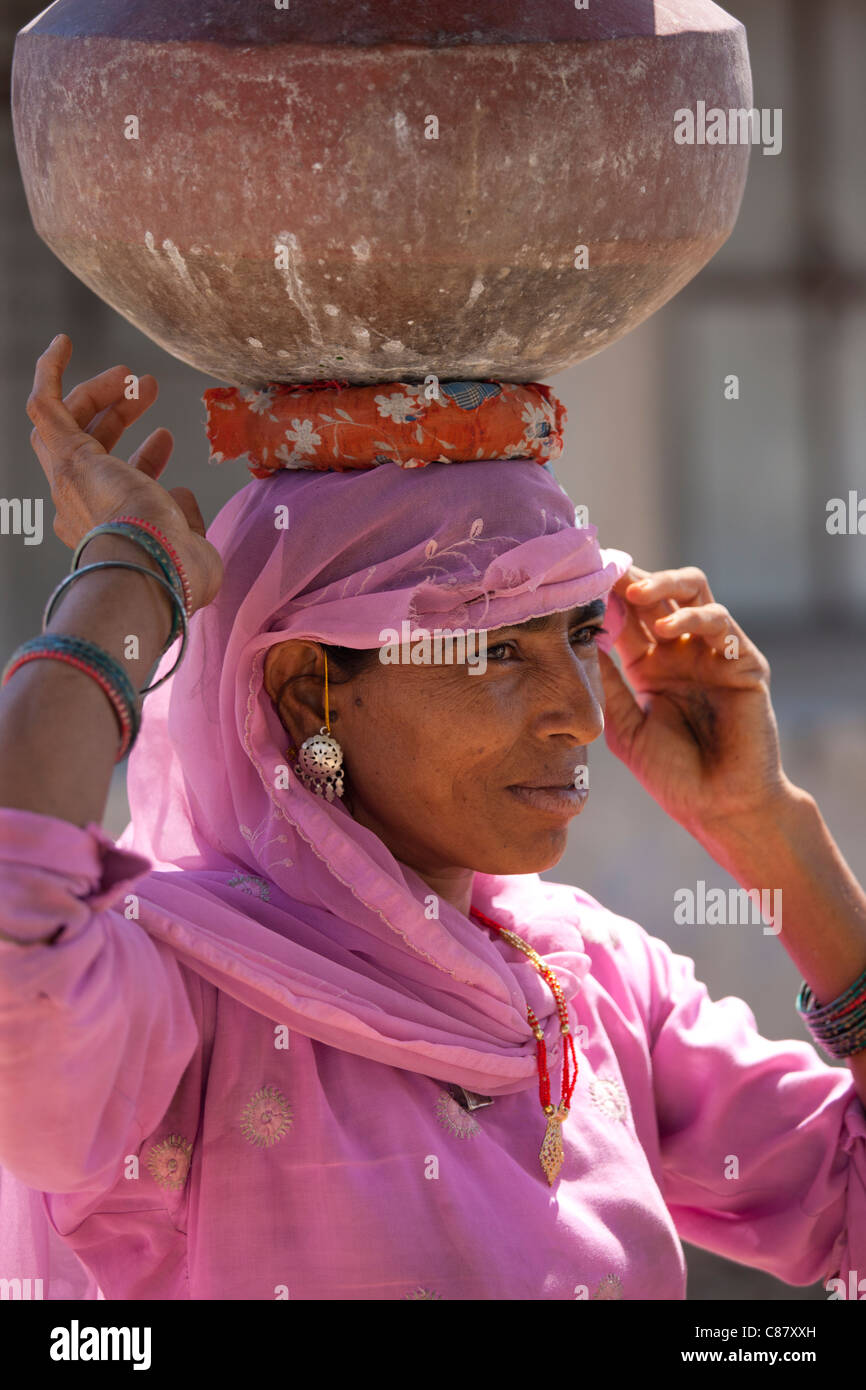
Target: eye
x=582 y=637
x=590 y=632
x=500 y=647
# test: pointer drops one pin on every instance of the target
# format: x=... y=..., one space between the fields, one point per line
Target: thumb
x=185 y=499
x=623 y=716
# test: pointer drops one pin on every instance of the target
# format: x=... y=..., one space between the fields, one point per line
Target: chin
x=524 y=858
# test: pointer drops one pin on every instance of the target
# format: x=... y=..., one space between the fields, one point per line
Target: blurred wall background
x=669 y=469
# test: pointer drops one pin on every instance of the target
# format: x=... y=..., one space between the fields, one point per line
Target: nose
x=569 y=698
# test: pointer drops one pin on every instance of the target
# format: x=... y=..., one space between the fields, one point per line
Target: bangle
x=96 y=663
x=154 y=548
x=128 y=565
x=840 y=1026
x=149 y=527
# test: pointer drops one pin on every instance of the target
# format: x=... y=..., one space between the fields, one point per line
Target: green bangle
x=142 y=569
x=147 y=542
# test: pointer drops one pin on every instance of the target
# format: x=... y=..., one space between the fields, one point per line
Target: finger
x=101 y=407
x=631 y=576
x=153 y=454
x=120 y=413
x=712 y=622
x=190 y=508
x=637 y=636
x=89 y=398
x=623 y=716
x=58 y=435
x=634 y=579
x=688 y=585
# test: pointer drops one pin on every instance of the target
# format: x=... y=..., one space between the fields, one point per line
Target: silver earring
x=320 y=765
x=320 y=760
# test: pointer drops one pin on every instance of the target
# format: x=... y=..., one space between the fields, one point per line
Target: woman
x=274 y=1044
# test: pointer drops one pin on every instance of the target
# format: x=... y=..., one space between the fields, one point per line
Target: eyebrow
x=585 y=614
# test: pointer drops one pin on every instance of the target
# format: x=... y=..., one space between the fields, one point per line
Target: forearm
x=59 y=735
x=823 y=912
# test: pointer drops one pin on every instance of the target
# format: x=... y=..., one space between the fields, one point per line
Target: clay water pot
x=382 y=191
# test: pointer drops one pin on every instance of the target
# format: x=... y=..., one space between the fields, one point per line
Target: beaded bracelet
x=153 y=547
x=142 y=569
x=840 y=1026
x=95 y=662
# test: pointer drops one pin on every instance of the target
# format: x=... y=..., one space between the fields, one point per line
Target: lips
x=559 y=801
x=551 y=786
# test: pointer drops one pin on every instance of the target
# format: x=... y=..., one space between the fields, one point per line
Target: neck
x=454 y=885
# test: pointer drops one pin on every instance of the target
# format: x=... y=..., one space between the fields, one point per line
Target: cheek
x=431 y=746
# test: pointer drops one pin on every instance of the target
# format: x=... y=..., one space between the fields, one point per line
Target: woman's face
x=434 y=756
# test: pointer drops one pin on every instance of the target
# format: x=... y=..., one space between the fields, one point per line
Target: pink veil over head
x=284 y=900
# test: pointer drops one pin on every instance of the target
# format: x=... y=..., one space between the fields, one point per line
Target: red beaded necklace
x=551 y=1154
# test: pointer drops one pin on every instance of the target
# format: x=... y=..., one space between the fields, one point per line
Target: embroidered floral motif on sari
x=267 y=1117
x=610 y=1287
x=609 y=1095
x=453 y=1117
x=168 y=1162
x=251 y=883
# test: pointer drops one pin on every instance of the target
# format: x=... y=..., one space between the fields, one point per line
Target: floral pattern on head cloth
x=336 y=425
x=342 y=949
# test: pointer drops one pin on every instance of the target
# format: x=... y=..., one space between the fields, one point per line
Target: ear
x=301 y=663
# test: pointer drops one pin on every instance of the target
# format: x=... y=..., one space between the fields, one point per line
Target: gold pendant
x=551 y=1149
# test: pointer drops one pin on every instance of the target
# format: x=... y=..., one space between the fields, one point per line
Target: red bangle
x=154 y=531
x=116 y=702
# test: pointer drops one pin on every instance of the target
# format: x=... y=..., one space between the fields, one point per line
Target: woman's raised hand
x=73 y=438
x=697 y=726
